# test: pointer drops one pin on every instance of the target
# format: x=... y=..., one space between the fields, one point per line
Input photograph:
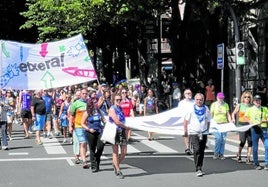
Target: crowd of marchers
x=78 y=113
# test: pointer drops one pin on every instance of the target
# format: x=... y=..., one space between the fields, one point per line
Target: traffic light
x=240 y=53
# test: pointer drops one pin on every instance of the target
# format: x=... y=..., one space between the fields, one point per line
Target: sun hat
x=220 y=95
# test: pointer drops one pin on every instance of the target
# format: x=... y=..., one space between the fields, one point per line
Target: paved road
x=161 y=162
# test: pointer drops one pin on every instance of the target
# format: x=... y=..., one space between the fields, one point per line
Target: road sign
x=220 y=56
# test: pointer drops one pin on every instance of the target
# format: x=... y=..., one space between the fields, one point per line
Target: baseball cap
x=256 y=97
x=174 y=84
x=220 y=95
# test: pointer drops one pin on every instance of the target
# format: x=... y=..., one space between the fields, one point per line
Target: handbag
x=109 y=132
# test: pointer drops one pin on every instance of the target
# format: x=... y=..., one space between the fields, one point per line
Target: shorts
x=64 y=122
x=49 y=117
x=120 y=137
x=39 y=122
x=10 y=119
x=141 y=107
x=25 y=113
x=81 y=135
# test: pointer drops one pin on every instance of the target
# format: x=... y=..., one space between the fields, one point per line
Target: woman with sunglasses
x=117 y=117
x=238 y=113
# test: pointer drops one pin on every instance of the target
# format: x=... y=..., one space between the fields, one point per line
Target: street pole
x=159 y=56
x=237 y=38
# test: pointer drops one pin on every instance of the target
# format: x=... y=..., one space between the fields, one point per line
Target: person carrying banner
x=196 y=124
x=185 y=106
x=117 y=116
x=220 y=113
x=258 y=115
x=239 y=112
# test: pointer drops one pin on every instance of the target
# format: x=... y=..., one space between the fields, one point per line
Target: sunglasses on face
x=118 y=100
x=246 y=97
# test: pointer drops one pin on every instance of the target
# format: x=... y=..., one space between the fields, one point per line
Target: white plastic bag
x=109 y=133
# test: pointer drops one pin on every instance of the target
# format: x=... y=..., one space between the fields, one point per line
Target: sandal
x=249 y=162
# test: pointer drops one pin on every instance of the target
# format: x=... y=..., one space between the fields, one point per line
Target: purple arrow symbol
x=44 y=51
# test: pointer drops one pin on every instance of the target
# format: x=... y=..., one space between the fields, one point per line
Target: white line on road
x=155 y=145
x=15 y=154
x=52 y=146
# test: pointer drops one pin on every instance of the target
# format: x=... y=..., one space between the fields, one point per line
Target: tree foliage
x=120 y=24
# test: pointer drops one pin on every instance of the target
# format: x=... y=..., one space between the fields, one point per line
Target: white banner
x=170 y=122
x=47 y=65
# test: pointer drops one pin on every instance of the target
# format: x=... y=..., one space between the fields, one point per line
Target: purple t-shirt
x=26 y=101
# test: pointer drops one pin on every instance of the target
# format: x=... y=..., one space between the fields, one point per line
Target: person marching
x=220 y=113
x=185 y=106
x=239 y=111
x=195 y=124
x=76 y=110
x=117 y=116
x=258 y=114
x=92 y=120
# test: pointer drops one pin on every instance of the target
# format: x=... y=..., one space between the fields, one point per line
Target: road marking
x=131 y=149
x=34 y=159
x=154 y=145
x=52 y=146
x=70 y=162
x=15 y=154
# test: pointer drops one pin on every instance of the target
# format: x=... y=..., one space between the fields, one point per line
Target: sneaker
x=216 y=157
x=249 y=162
x=119 y=174
x=39 y=142
x=71 y=140
x=222 y=157
x=188 y=152
x=85 y=165
x=258 y=167
x=199 y=173
x=266 y=167
x=49 y=135
x=57 y=133
x=44 y=135
x=4 y=148
x=64 y=140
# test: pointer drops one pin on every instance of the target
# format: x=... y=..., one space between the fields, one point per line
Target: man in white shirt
x=196 y=126
x=185 y=106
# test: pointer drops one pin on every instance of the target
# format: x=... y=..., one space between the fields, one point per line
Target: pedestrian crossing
x=140 y=146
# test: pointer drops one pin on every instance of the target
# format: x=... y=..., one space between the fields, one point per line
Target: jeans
x=255 y=143
x=175 y=103
x=220 y=138
x=199 y=146
x=3 y=126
